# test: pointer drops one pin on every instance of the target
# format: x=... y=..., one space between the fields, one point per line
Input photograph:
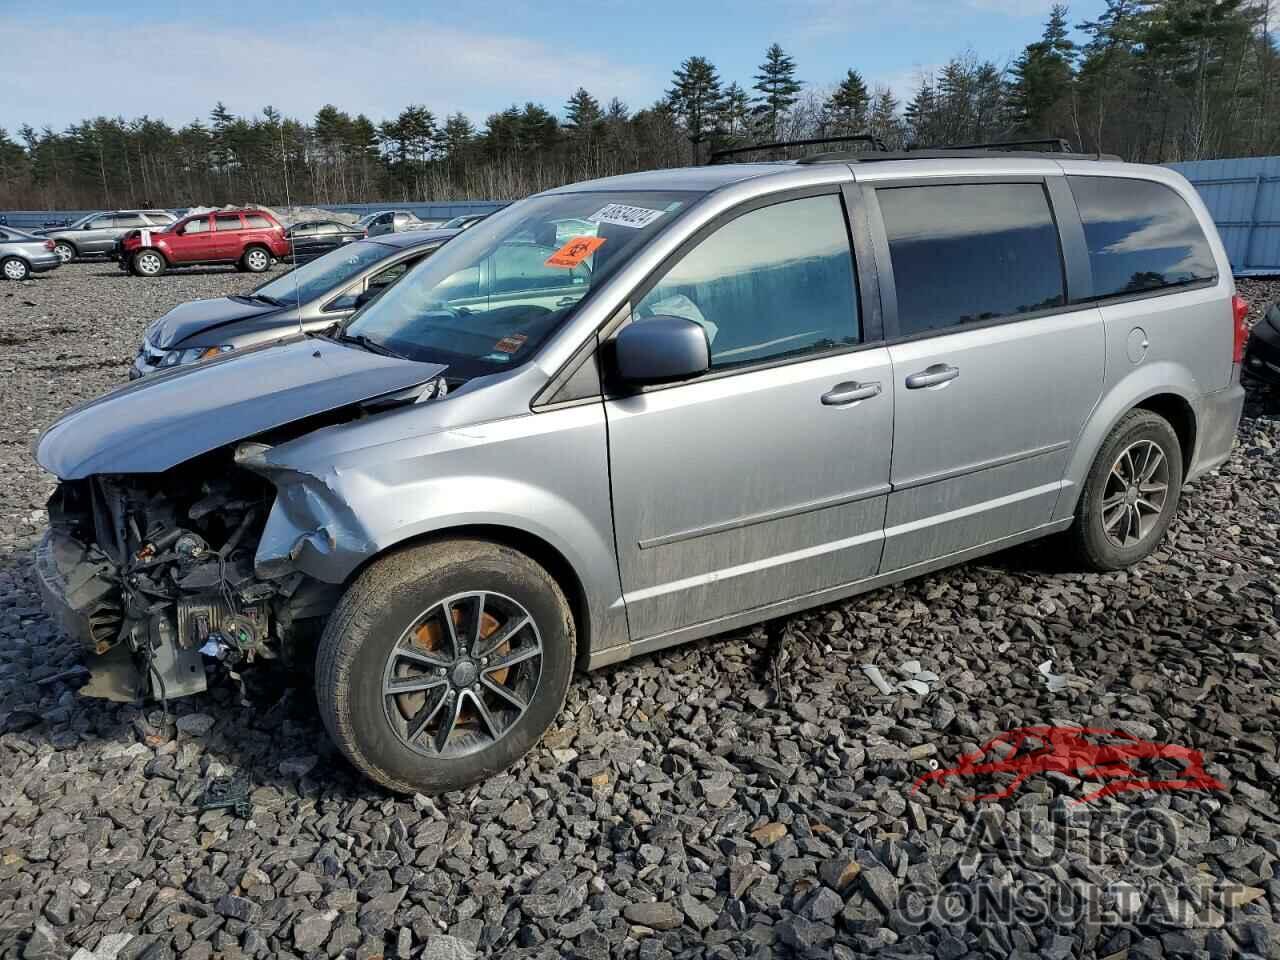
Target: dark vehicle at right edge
x=1262 y=358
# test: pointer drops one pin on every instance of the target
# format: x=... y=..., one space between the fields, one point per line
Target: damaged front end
x=155 y=573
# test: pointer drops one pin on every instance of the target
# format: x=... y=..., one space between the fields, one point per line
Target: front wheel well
x=1181 y=417
x=532 y=546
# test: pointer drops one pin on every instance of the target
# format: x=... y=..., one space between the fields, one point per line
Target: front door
x=993 y=375
x=197 y=244
x=765 y=479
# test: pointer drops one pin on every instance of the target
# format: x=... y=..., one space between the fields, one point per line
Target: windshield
x=493 y=294
x=303 y=284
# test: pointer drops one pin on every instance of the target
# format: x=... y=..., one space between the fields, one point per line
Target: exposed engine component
x=163 y=566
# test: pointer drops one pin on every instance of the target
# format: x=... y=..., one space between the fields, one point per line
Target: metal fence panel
x=1243 y=196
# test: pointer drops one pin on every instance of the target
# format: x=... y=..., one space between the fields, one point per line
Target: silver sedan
x=22 y=254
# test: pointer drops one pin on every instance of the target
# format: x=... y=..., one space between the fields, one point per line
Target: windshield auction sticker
x=622 y=215
x=575 y=251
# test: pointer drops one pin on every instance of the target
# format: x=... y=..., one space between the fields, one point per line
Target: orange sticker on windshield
x=511 y=343
x=575 y=251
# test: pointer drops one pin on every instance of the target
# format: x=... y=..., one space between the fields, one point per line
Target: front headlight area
x=178 y=358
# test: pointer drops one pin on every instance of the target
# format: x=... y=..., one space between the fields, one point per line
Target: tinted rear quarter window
x=257 y=221
x=1141 y=236
x=967 y=253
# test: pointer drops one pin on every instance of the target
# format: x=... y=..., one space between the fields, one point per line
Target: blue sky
x=174 y=60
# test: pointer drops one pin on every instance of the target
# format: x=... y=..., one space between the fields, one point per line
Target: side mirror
x=661 y=349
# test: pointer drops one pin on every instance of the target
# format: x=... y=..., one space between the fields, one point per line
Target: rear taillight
x=1240 y=310
x=49 y=244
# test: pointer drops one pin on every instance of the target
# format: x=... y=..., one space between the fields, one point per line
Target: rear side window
x=257 y=221
x=967 y=253
x=228 y=221
x=131 y=220
x=776 y=282
x=1141 y=236
x=160 y=219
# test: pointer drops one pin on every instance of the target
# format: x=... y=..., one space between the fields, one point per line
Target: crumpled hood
x=199 y=316
x=160 y=421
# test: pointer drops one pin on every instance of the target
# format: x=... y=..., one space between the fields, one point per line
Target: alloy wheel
x=149 y=264
x=64 y=252
x=462 y=674
x=257 y=260
x=1136 y=492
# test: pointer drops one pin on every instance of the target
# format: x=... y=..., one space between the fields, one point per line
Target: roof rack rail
x=875 y=142
x=1051 y=145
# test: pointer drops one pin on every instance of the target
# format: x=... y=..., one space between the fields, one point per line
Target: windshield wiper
x=373 y=346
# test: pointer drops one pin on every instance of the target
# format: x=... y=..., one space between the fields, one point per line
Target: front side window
x=1141 y=236
x=966 y=253
x=198 y=225
x=489 y=298
x=776 y=282
x=229 y=221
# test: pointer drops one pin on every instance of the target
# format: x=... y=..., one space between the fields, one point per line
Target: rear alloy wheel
x=256 y=260
x=1131 y=493
x=65 y=251
x=148 y=263
x=15 y=268
x=444 y=664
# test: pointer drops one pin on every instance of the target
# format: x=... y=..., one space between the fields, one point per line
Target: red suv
x=247 y=238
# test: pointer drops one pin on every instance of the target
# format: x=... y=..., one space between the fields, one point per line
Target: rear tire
x=15 y=268
x=65 y=251
x=148 y=263
x=1131 y=493
x=481 y=701
x=256 y=260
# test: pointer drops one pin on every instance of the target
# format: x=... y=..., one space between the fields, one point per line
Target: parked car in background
x=22 y=254
x=737 y=392
x=95 y=235
x=248 y=238
x=1262 y=356
x=464 y=221
x=312 y=238
x=311 y=297
x=389 y=221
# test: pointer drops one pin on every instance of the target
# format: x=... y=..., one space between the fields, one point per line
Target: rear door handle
x=932 y=376
x=843 y=394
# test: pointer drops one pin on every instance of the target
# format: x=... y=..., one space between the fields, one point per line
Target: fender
x=335 y=511
x=1140 y=384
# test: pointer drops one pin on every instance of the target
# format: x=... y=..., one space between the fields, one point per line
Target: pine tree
x=845 y=111
x=695 y=99
x=1042 y=76
x=777 y=85
x=582 y=113
x=733 y=120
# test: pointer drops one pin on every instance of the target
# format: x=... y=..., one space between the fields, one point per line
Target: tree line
x=1149 y=80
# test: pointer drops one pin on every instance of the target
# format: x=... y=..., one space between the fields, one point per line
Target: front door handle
x=843 y=394
x=932 y=376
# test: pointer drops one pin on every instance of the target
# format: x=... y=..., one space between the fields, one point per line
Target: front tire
x=444 y=664
x=148 y=263
x=15 y=268
x=1131 y=493
x=65 y=251
x=255 y=260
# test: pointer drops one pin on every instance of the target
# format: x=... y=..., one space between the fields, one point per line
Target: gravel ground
x=745 y=796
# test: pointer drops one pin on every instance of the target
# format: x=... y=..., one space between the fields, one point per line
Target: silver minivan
x=633 y=412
